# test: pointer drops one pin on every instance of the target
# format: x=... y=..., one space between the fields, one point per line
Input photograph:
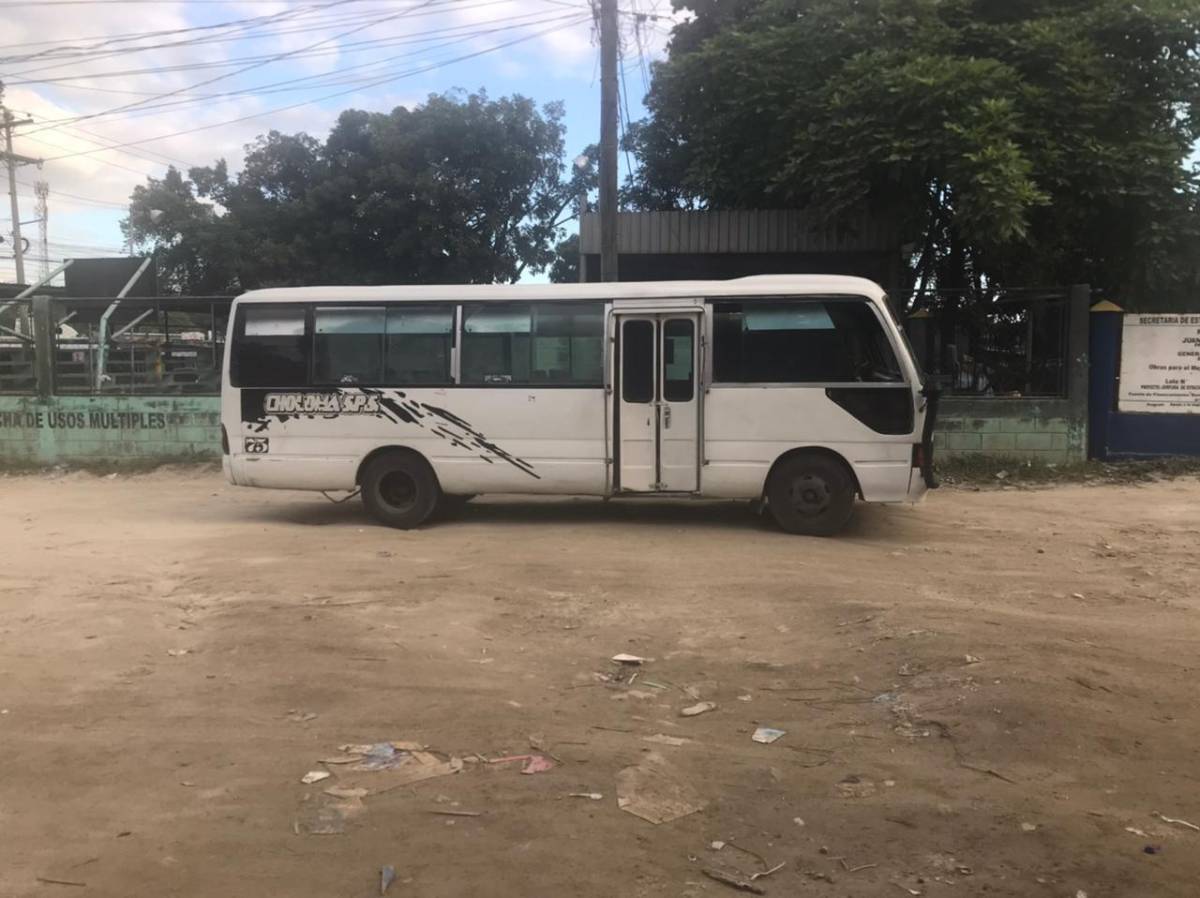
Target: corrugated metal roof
x=738 y=231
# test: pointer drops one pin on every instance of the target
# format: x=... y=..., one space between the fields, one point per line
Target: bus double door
x=657 y=426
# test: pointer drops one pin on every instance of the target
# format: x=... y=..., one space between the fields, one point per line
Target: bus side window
x=270 y=347
x=539 y=343
x=803 y=341
x=418 y=344
x=349 y=345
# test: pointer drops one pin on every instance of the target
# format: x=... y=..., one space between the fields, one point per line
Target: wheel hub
x=810 y=495
x=398 y=490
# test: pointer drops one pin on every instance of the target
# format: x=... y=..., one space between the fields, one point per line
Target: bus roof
x=758 y=285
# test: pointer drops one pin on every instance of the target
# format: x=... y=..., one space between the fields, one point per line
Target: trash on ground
x=663 y=739
x=384 y=766
x=1135 y=831
x=630 y=659
x=854 y=786
x=326 y=820
x=301 y=716
x=452 y=813
x=1028 y=827
x=799 y=821
x=655 y=791
x=61 y=882
x=767 y=735
x=387 y=875
x=698 y=708
x=972 y=659
x=594 y=796
x=344 y=792
x=532 y=763
x=1077 y=595
x=1176 y=821
x=1152 y=849
x=315 y=776
x=717 y=845
x=176 y=653
x=780 y=865
x=734 y=881
x=745 y=698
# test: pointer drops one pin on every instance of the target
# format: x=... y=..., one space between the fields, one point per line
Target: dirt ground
x=993 y=693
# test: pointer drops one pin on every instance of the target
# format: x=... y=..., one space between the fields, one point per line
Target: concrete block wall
x=1048 y=430
x=84 y=429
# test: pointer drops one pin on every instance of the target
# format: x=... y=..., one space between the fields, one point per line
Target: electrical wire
x=284 y=55
x=340 y=93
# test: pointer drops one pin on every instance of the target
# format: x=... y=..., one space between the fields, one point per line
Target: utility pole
x=609 y=47
x=12 y=160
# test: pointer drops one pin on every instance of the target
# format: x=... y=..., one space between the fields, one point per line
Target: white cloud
x=114 y=81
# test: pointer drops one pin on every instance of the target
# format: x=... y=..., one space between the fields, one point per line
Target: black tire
x=811 y=494
x=400 y=490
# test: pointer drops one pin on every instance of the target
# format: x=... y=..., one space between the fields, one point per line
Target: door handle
x=666 y=417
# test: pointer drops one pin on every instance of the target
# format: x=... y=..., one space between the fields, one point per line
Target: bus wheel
x=399 y=490
x=810 y=494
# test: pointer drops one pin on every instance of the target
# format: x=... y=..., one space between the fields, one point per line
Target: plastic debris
x=315 y=776
x=662 y=739
x=972 y=659
x=1135 y=831
x=717 y=845
x=1028 y=827
x=655 y=791
x=1176 y=821
x=532 y=763
x=698 y=708
x=630 y=659
x=387 y=875
x=734 y=881
x=767 y=735
x=177 y=653
x=799 y=821
x=537 y=764
x=594 y=796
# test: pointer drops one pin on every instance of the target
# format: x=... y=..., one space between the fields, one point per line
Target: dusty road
x=991 y=694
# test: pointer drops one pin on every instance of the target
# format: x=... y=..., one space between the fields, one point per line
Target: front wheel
x=400 y=490
x=811 y=494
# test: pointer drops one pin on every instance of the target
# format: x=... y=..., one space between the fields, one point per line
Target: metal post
x=102 y=349
x=43 y=346
x=609 y=51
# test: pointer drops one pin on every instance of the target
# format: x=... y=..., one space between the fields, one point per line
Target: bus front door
x=658 y=417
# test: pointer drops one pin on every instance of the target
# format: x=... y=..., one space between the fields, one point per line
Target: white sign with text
x=1160 y=364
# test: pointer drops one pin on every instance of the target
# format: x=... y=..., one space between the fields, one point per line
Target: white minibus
x=797 y=391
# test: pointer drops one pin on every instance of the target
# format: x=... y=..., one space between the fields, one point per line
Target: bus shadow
x=871 y=523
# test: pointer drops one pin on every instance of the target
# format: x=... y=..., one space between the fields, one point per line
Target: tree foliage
x=1016 y=141
x=453 y=190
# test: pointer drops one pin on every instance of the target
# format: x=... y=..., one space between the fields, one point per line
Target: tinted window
x=800 y=342
x=533 y=344
x=678 y=360
x=348 y=345
x=418 y=344
x=637 y=361
x=272 y=348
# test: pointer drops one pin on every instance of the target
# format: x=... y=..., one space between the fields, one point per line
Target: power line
x=256 y=65
x=353 y=46
x=75 y=196
x=64 y=47
x=340 y=93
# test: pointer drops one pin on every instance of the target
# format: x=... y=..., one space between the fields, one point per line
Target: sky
x=120 y=89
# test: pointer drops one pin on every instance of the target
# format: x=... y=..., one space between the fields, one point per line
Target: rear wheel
x=399 y=489
x=811 y=494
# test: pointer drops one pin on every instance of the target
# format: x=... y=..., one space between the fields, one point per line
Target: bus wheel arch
x=811 y=491
x=399 y=486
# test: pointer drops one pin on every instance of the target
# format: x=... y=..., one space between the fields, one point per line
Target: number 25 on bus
x=797 y=391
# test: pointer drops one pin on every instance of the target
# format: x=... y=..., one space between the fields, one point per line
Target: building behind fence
x=105 y=379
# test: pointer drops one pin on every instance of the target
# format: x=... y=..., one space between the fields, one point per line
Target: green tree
x=565 y=267
x=454 y=190
x=1016 y=141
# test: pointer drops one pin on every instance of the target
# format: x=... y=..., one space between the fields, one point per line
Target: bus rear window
x=270 y=347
